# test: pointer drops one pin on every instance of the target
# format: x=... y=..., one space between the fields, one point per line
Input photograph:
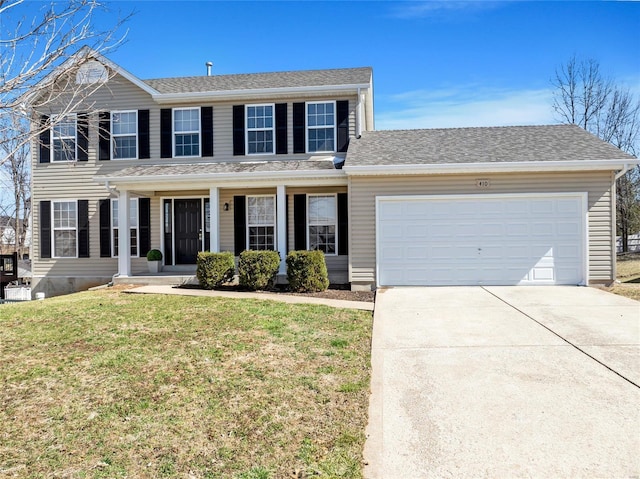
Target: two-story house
x=290 y=160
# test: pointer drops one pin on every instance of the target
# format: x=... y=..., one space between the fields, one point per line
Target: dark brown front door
x=188 y=230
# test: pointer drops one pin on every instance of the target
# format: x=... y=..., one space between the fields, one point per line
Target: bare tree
x=43 y=48
x=584 y=97
x=46 y=50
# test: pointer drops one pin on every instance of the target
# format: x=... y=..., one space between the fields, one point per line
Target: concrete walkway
x=504 y=382
x=285 y=298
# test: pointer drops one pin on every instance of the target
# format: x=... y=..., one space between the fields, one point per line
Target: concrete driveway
x=504 y=382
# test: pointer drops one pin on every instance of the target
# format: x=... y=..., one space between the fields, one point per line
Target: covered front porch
x=193 y=212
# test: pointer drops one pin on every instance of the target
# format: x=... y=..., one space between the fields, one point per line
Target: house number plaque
x=483 y=183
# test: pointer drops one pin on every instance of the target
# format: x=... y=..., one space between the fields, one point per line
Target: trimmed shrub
x=215 y=269
x=258 y=269
x=154 y=255
x=307 y=271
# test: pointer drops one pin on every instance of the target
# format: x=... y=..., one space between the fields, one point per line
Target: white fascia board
x=503 y=167
x=251 y=93
x=337 y=177
x=88 y=53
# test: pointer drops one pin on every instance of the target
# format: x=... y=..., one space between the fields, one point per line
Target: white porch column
x=214 y=219
x=124 y=237
x=281 y=226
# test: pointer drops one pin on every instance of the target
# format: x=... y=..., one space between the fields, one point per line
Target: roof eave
x=503 y=167
x=256 y=92
x=220 y=178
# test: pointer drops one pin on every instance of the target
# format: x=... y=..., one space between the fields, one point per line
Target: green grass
x=105 y=384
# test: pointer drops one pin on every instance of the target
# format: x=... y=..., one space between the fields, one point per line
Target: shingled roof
x=479 y=145
x=251 y=81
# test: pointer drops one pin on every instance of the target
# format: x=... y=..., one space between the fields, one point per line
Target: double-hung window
x=259 y=129
x=65 y=138
x=186 y=132
x=65 y=229
x=133 y=226
x=322 y=219
x=261 y=222
x=124 y=133
x=321 y=127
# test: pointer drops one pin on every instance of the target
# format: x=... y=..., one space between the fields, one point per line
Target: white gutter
x=222 y=177
x=195 y=96
x=501 y=167
x=626 y=168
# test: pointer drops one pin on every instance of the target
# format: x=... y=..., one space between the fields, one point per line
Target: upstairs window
x=124 y=132
x=321 y=127
x=133 y=226
x=322 y=221
x=65 y=139
x=186 y=132
x=65 y=229
x=259 y=129
x=261 y=222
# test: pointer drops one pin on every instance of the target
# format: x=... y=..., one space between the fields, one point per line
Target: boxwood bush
x=215 y=269
x=258 y=269
x=307 y=271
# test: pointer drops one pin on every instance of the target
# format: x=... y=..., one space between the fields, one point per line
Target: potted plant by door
x=154 y=260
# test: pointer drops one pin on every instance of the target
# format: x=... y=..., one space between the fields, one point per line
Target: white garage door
x=481 y=239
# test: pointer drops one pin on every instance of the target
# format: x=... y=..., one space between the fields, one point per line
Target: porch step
x=171 y=278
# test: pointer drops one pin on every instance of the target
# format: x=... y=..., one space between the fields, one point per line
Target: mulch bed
x=335 y=291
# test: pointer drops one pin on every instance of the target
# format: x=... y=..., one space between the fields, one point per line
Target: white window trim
x=272 y=129
x=53 y=137
x=54 y=229
x=174 y=133
x=137 y=228
x=249 y=225
x=309 y=224
x=114 y=136
x=307 y=127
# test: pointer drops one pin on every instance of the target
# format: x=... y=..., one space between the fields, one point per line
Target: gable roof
x=488 y=147
x=257 y=81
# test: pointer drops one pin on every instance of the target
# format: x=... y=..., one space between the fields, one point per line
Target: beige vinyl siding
x=74 y=181
x=363 y=191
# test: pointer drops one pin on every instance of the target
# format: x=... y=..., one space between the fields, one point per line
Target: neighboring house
x=289 y=161
x=8 y=234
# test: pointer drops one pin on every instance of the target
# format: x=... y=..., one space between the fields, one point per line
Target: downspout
x=614 y=226
x=624 y=170
x=359 y=115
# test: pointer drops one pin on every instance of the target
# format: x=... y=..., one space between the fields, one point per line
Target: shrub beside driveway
x=104 y=384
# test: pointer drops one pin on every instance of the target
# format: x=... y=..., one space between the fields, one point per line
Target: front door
x=188 y=230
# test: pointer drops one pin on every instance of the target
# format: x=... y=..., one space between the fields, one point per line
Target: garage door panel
x=499 y=240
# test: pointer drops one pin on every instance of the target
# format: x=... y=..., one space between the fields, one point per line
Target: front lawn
x=107 y=384
x=628 y=271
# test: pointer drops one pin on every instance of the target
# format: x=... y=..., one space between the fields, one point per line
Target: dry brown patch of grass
x=105 y=384
x=628 y=266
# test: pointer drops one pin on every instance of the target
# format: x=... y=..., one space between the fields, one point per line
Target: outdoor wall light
x=226 y=206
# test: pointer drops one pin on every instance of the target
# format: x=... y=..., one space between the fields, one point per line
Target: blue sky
x=436 y=64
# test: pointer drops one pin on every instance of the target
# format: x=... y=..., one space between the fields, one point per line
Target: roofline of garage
x=491 y=167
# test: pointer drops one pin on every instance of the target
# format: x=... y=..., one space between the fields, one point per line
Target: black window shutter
x=343 y=224
x=281 y=129
x=83 y=136
x=144 y=149
x=238 y=130
x=342 y=120
x=165 y=133
x=105 y=228
x=45 y=140
x=104 y=136
x=45 y=229
x=239 y=224
x=206 y=120
x=144 y=225
x=300 y=222
x=83 y=229
x=298 y=128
